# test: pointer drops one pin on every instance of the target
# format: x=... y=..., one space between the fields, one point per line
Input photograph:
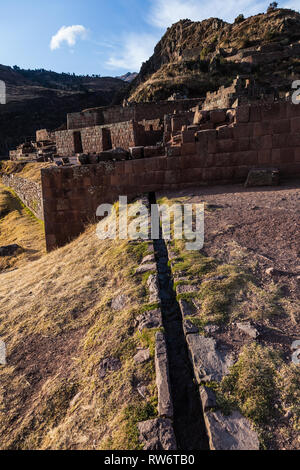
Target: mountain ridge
x=191 y=56
x=38 y=99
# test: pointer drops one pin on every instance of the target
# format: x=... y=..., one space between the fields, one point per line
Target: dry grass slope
x=57 y=322
x=30 y=171
x=19 y=226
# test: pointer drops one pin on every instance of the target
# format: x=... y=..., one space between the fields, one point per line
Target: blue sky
x=107 y=37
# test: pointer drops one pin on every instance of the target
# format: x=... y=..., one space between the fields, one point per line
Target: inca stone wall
x=263 y=136
x=98 y=138
x=137 y=112
x=30 y=193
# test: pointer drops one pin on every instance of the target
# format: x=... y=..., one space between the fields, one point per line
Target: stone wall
x=262 y=136
x=30 y=193
x=137 y=112
x=65 y=143
x=239 y=92
x=97 y=138
x=43 y=135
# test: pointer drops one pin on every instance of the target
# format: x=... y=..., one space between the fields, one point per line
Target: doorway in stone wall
x=106 y=139
x=77 y=142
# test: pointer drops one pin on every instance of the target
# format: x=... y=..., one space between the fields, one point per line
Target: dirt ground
x=263 y=225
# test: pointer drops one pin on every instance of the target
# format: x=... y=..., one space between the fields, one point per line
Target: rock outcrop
x=195 y=57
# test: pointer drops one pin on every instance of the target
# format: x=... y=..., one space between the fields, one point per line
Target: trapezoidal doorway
x=77 y=142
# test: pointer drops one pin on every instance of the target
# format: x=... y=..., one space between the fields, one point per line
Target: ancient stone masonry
x=30 y=193
x=136 y=112
x=222 y=148
x=264 y=54
x=157 y=146
x=97 y=139
x=41 y=150
x=241 y=91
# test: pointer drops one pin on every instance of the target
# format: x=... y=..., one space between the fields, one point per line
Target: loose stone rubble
x=143 y=355
x=109 y=364
x=119 y=302
x=249 y=329
x=157 y=434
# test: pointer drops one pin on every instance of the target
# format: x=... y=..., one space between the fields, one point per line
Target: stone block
x=294 y=140
x=265 y=156
x=262 y=177
x=225 y=132
x=174 y=151
x=255 y=143
x=157 y=434
x=243 y=144
x=217 y=116
x=266 y=142
x=243 y=130
x=209 y=363
x=262 y=128
x=165 y=405
x=255 y=113
x=295 y=124
x=287 y=155
x=249 y=158
x=233 y=432
x=188 y=148
x=276 y=156
x=188 y=136
x=297 y=155
x=280 y=140
x=207 y=126
x=153 y=151
x=273 y=111
x=228 y=145
x=243 y=114
x=136 y=152
x=282 y=126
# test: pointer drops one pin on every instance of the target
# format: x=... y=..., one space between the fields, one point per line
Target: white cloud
x=164 y=13
x=133 y=51
x=294 y=5
x=68 y=34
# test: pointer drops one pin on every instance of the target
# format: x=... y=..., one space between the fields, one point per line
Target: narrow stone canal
x=188 y=416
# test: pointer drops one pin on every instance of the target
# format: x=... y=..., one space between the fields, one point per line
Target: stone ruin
x=146 y=147
x=137 y=130
x=43 y=149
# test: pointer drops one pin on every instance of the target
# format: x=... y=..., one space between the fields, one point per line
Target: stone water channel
x=189 y=426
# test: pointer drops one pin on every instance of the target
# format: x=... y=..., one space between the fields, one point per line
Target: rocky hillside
x=41 y=99
x=195 y=57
